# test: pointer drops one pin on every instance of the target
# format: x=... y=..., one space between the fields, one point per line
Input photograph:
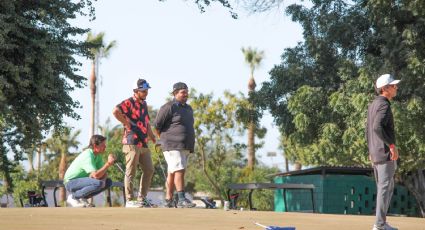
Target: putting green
x=182 y=219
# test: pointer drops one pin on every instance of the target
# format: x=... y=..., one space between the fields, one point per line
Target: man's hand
x=153 y=139
x=121 y=118
x=393 y=153
x=127 y=126
x=111 y=159
x=158 y=148
x=370 y=159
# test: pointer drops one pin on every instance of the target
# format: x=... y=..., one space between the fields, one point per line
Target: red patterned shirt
x=137 y=114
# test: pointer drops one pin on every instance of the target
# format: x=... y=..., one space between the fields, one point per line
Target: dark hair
x=377 y=90
x=96 y=140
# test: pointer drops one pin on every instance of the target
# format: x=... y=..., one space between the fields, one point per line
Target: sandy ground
x=182 y=219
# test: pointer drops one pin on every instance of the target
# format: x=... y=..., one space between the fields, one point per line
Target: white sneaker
x=86 y=203
x=74 y=202
x=132 y=204
x=375 y=227
x=389 y=227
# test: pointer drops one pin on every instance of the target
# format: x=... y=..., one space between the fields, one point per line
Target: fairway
x=183 y=219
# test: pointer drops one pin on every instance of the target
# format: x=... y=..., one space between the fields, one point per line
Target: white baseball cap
x=386 y=79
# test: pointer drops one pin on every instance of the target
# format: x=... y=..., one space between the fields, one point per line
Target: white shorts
x=176 y=160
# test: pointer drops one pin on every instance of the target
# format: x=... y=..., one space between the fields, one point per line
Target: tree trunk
x=286 y=164
x=93 y=96
x=31 y=161
x=415 y=183
x=297 y=166
x=38 y=159
x=5 y=168
x=97 y=97
x=251 y=84
x=62 y=167
x=251 y=145
x=251 y=127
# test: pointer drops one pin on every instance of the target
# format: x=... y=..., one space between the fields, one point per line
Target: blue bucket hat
x=141 y=84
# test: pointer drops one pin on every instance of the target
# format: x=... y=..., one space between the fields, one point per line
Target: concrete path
x=182 y=219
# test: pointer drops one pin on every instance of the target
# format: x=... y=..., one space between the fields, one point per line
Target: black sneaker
x=145 y=203
x=170 y=204
x=186 y=203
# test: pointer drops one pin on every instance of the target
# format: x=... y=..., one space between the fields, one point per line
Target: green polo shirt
x=85 y=163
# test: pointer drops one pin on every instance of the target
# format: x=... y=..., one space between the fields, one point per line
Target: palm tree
x=99 y=50
x=109 y=131
x=35 y=151
x=30 y=157
x=253 y=58
x=41 y=150
x=59 y=144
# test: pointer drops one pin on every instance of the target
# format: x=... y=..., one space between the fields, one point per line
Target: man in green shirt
x=86 y=176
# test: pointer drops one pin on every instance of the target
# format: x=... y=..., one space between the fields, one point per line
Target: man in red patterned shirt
x=133 y=114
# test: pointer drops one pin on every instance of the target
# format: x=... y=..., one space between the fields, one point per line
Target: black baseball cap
x=179 y=86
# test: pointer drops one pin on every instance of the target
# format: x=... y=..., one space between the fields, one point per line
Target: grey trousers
x=384 y=176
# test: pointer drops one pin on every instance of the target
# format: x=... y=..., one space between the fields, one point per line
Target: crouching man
x=86 y=176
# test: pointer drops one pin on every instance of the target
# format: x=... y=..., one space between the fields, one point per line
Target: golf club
x=122 y=170
x=157 y=150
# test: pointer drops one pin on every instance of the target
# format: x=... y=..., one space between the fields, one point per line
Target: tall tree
x=258 y=6
x=253 y=58
x=214 y=123
x=202 y=4
x=60 y=144
x=41 y=151
x=38 y=47
x=319 y=93
x=98 y=51
x=30 y=157
x=217 y=123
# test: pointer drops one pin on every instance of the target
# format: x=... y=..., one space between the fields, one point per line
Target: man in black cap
x=133 y=114
x=174 y=125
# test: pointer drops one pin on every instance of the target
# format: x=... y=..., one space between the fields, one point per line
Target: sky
x=171 y=41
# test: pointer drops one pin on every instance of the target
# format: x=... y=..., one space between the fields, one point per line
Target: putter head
x=279 y=228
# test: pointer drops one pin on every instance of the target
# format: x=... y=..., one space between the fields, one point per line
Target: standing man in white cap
x=381 y=142
x=133 y=114
x=174 y=124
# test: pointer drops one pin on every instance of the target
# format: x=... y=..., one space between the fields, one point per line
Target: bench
x=254 y=186
x=55 y=184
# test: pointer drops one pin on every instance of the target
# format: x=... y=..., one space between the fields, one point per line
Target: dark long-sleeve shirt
x=380 y=132
x=174 y=121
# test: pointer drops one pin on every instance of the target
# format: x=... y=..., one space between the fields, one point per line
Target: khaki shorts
x=176 y=159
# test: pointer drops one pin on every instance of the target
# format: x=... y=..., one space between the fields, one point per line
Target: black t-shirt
x=175 y=123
